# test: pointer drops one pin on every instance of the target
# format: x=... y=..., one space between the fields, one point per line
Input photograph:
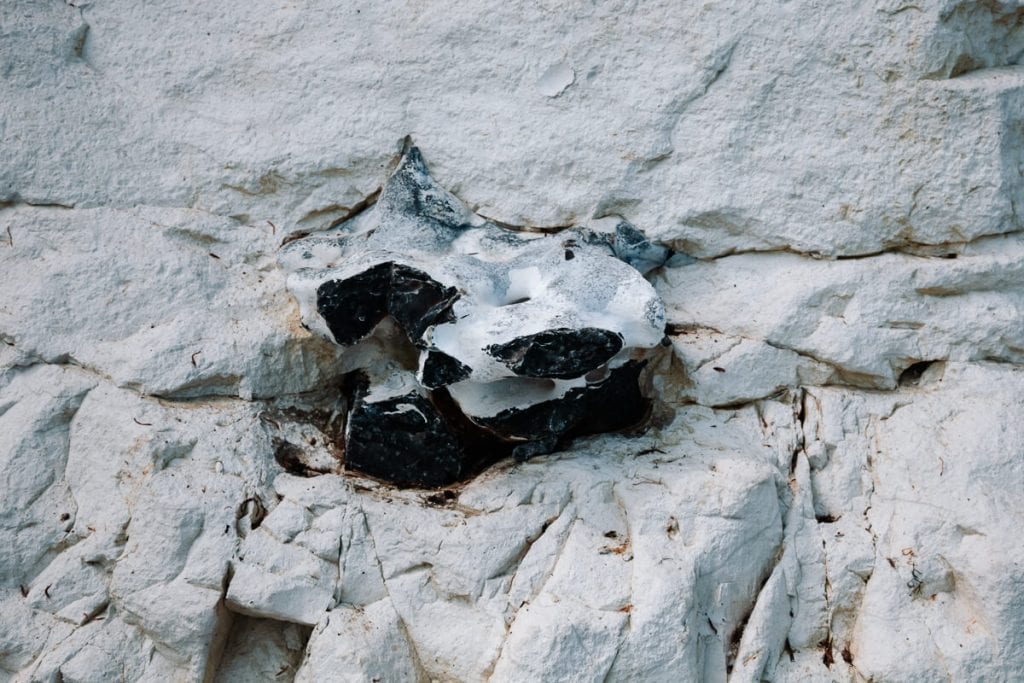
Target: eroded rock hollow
x=486 y=341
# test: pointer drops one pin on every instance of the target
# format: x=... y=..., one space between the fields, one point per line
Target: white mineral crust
x=829 y=490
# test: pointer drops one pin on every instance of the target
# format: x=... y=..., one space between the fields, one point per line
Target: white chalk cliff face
x=828 y=486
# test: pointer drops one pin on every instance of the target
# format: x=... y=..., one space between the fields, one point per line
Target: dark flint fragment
x=353 y=307
x=417 y=301
x=562 y=353
x=614 y=403
x=402 y=440
x=633 y=247
x=440 y=370
x=427 y=431
x=411 y=191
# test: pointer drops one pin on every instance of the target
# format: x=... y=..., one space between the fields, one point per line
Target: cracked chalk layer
x=522 y=339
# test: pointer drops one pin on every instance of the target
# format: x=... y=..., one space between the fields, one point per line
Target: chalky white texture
x=813 y=510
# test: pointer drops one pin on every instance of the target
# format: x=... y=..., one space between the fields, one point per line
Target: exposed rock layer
x=836 y=496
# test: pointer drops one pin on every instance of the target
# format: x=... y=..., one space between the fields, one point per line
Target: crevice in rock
x=924 y=250
x=628 y=548
x=912 y=376
x=347 y=213
x=733 y=646
x=538 y=589
x=17 y=200
x=403 y=627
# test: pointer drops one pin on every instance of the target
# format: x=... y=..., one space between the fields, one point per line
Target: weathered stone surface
x=830 y=486
x=187 y=302
x=261 y=650
x=910 y=493
x=361 y=644
x=858 y=137
x=863 y=321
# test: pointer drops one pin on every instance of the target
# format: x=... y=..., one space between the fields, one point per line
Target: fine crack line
x=67 y=361
x=903 y=249
x=541 y=585
x=417 y=660
x=627 y=627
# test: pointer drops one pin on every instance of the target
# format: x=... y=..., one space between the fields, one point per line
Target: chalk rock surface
x=828 y=490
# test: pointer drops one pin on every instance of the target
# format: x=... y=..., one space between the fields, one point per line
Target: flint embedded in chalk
x=523 y=340
x=633 y=247
x=402 y=439
x=438 y=369
x=353 y=307
x=411 y=191
x=531 y=449
x=613 y=403
x=416 y=301
x=564 y=353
